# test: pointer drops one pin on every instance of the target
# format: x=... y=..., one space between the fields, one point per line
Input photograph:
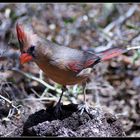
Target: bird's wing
x=77 y=63
x=78 y=66
x=72 y=65
x=67 y=58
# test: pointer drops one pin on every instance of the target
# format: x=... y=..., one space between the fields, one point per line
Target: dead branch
x=121 y=19
x=36 y=79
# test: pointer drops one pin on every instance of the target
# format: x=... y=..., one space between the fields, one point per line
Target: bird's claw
x=83 y=107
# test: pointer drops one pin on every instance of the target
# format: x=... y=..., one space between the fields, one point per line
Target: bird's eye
x=31 y=50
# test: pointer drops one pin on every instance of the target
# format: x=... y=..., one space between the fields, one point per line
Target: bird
x=62 y=64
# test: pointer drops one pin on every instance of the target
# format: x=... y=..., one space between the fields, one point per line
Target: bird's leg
x=58 y=108
x=84 y=106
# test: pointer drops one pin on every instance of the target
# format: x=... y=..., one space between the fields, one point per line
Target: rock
x=96 y=123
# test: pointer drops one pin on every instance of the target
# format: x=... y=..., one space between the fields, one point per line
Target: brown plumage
x=63 y=65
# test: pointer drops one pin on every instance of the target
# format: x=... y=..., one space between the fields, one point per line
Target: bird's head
x=27 y=41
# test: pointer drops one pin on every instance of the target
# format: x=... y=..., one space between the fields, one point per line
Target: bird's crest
x=26 y=37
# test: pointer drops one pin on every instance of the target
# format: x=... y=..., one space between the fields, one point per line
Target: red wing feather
x=110 y=53
x=89 y=63
x=75 y=66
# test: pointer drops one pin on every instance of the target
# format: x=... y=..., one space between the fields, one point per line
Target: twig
x=6 y=135
x=121 y=19
x=35 y=92
x=133 y=48
x=10 y=102
x=36 y=79
x=44 y=93
x=136 y=35
x=40 y=99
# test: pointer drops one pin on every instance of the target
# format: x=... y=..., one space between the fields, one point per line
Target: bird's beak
x=21 y=36
x=25 y=57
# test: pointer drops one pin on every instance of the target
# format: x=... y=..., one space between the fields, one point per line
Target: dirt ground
x=96 y=123
x=112 y=91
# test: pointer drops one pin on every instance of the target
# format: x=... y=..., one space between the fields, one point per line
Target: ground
x=114 y=85
x=96 y=123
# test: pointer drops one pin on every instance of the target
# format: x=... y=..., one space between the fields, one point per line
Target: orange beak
x=25 y=57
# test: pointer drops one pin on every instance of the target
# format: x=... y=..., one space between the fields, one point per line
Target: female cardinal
x=64 y=65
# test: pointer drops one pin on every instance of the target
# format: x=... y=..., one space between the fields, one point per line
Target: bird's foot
x=83 y=107
x=58 y=110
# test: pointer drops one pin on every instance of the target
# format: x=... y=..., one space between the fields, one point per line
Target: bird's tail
x=113 y=52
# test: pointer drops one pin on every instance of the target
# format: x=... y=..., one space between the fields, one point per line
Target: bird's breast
x=60 y=75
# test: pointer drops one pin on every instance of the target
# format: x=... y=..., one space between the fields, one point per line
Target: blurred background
x=115 y=84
